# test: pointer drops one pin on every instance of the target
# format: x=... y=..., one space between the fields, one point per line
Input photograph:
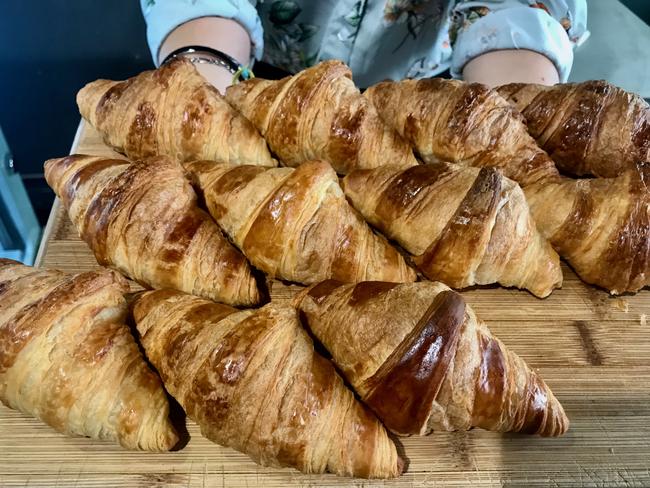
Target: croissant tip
x=555 y=421
x=560 y=422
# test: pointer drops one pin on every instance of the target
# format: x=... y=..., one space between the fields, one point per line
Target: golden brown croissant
x=587 y=128
x=484 y=132
x=320 y=114
x=171 y=111
x=142 y=219
x=68 y=358
x=601 y=226
x=464 y=123
x=252 y=381
x=463 y=225
x=420 y=358
x=295 y=224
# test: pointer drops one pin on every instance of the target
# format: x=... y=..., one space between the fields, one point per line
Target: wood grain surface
x=592 y=349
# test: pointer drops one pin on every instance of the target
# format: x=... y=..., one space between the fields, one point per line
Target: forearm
x=497 y=68
x=218 y=33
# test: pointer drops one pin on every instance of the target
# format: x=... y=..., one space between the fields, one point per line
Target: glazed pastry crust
x=601 y=226
x=590 y=128
x=143 y=220
x=463 y=123
x=295 y=224
x=320 y=114
x=252 y=381
x=68 y=359
x=463 y=226
x=420 y=358
x=172 y=111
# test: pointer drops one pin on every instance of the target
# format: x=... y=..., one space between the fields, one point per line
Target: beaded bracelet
x=216 y=57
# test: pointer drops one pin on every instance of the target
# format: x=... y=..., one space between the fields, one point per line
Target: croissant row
x=464 y=226
x=143 y=220
x=295 y=224
x=590 y=128
x=598 y=226
x=172 y=111
x=68 y=358
x=320 y=114
x=420 y=358
x=252 y=381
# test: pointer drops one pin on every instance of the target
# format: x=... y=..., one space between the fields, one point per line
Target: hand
x=497 y=68
x=218 y=33
x=217 y=75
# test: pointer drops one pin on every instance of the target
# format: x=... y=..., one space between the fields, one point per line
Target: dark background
x=49 y=49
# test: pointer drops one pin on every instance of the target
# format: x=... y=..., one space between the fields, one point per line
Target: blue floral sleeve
x=550 y=27
x=163 y=16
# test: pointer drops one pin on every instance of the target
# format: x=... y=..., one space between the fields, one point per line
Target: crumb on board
x=643 y=319
x=622 y=304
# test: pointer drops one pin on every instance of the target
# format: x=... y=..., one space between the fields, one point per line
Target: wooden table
x=592 y=349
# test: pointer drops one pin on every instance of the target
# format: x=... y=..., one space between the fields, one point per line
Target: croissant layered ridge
x=171 y=111
x=320 y=114
x=463 y=226
x=142 y=219
x=295 y=224
x=252 y=381
x=68 y=358
x=420 y=358
x=462 y=123
x=589 y=128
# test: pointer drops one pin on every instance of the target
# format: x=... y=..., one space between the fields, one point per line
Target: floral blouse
x=382 y=39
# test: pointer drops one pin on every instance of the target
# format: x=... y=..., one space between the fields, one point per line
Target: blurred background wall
x=48 y=50
x=51 y=48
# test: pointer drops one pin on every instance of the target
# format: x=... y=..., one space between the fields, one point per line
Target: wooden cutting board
x=592 y=349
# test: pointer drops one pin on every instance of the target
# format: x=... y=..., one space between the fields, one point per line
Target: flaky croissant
x=295 y=224
x=463 y=225
x=464 y=123
x=143 y=220
x=171 y=111
x=590 y=128
x=68 y=358
x=320 y=114
x=574 y=215
x=601 y=226
x=420 y=358
x=252 y=381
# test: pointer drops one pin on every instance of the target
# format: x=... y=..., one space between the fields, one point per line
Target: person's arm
x=224 y=35
x=496 y=68
x=232 y=27
x=504 y=41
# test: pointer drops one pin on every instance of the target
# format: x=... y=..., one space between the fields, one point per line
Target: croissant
x=420 y=358
x=464 y=123
x=142 y=219
x=320 y=114
x=252 y=381
x=601 y=226
x=68 y=359
x=484 y=132
x=590 y=128
x=295 y=224
x=171 y=111
x=463 y=225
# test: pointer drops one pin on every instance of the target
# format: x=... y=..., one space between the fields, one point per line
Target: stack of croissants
x=380 y=203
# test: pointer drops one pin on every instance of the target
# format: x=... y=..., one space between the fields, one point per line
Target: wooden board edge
x=48 y=232
x=56 y=206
